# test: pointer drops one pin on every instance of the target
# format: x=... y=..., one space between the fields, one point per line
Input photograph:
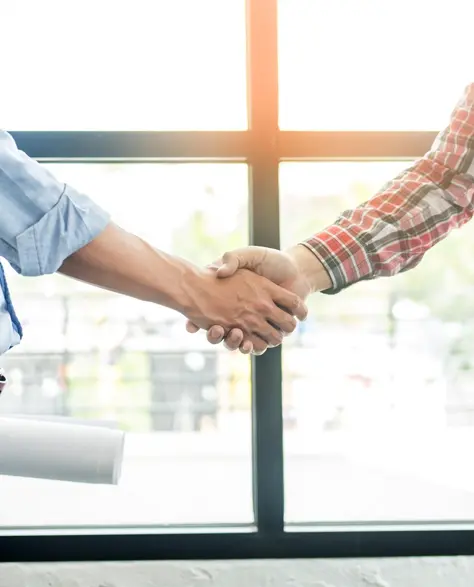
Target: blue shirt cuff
x=70 y=225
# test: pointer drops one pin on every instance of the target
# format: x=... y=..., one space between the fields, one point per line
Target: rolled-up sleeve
x=42 y=221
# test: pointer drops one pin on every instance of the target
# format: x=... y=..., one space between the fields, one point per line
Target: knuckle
x=227 y=256
x=294 y=304
x=253 y=321
x=264 y=306
x=287 y=323
x=273 y=337
x=277 y=338
x=290 y=325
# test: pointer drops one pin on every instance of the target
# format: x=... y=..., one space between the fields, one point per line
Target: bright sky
x=156 y=64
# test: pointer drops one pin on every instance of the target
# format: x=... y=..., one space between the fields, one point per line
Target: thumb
x=230 y=263
x=244 y=258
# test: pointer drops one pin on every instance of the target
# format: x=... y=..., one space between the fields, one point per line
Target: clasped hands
x=265 y=291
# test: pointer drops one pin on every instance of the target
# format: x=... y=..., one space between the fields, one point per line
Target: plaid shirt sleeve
x=392 y=231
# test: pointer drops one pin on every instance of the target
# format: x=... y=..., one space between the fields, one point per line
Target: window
x=146 y=65
x=184 y=404
x=329 y=447
x=370 y=65
x=388 y=360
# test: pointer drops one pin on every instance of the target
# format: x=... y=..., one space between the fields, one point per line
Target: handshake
x=251 y=297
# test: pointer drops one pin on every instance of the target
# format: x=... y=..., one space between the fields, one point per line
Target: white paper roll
x=60 y=451
x=65 y=420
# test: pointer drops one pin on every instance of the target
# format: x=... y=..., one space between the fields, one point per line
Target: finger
x=266 y=331
x=246 y=347
x=281 y=320
x=289 y=301
x=234 y=339
x=259 y=346
x=191 y=327
x=230 y=263
x=215 y=334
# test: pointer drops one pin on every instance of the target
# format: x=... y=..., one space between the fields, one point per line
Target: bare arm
x=122 y=262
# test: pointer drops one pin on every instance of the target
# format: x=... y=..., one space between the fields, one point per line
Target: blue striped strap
x=9 y=303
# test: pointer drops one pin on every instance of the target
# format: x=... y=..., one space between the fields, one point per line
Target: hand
x=260 y=309
x=297 y=270
x=277 y=266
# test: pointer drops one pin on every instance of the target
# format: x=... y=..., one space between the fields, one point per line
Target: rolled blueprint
x=65 y=420
x=60 y=451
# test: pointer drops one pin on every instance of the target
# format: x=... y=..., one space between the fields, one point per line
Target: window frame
x=263 y=146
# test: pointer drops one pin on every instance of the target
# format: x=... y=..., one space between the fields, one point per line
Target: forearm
x=122 y=262
x=392 y=231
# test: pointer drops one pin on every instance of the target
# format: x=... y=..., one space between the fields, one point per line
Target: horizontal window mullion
x=294 y=145
x=360 y=542
x=134 y=145
x=225 y=145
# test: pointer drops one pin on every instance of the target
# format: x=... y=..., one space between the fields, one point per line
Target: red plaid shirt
x=392 y=231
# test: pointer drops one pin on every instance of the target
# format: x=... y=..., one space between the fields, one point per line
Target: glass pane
x=108 y=65
x=372 y=65
x=185 y=403
x=378 y=385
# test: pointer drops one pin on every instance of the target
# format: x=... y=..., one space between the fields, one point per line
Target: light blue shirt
x=42 y=222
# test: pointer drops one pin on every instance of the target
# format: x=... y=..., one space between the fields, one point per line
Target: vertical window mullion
x=265 y=231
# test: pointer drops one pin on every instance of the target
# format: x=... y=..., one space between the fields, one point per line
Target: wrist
x=311 y=270
x=180 y=286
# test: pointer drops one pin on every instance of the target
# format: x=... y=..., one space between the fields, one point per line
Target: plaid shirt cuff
x=342 y=255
